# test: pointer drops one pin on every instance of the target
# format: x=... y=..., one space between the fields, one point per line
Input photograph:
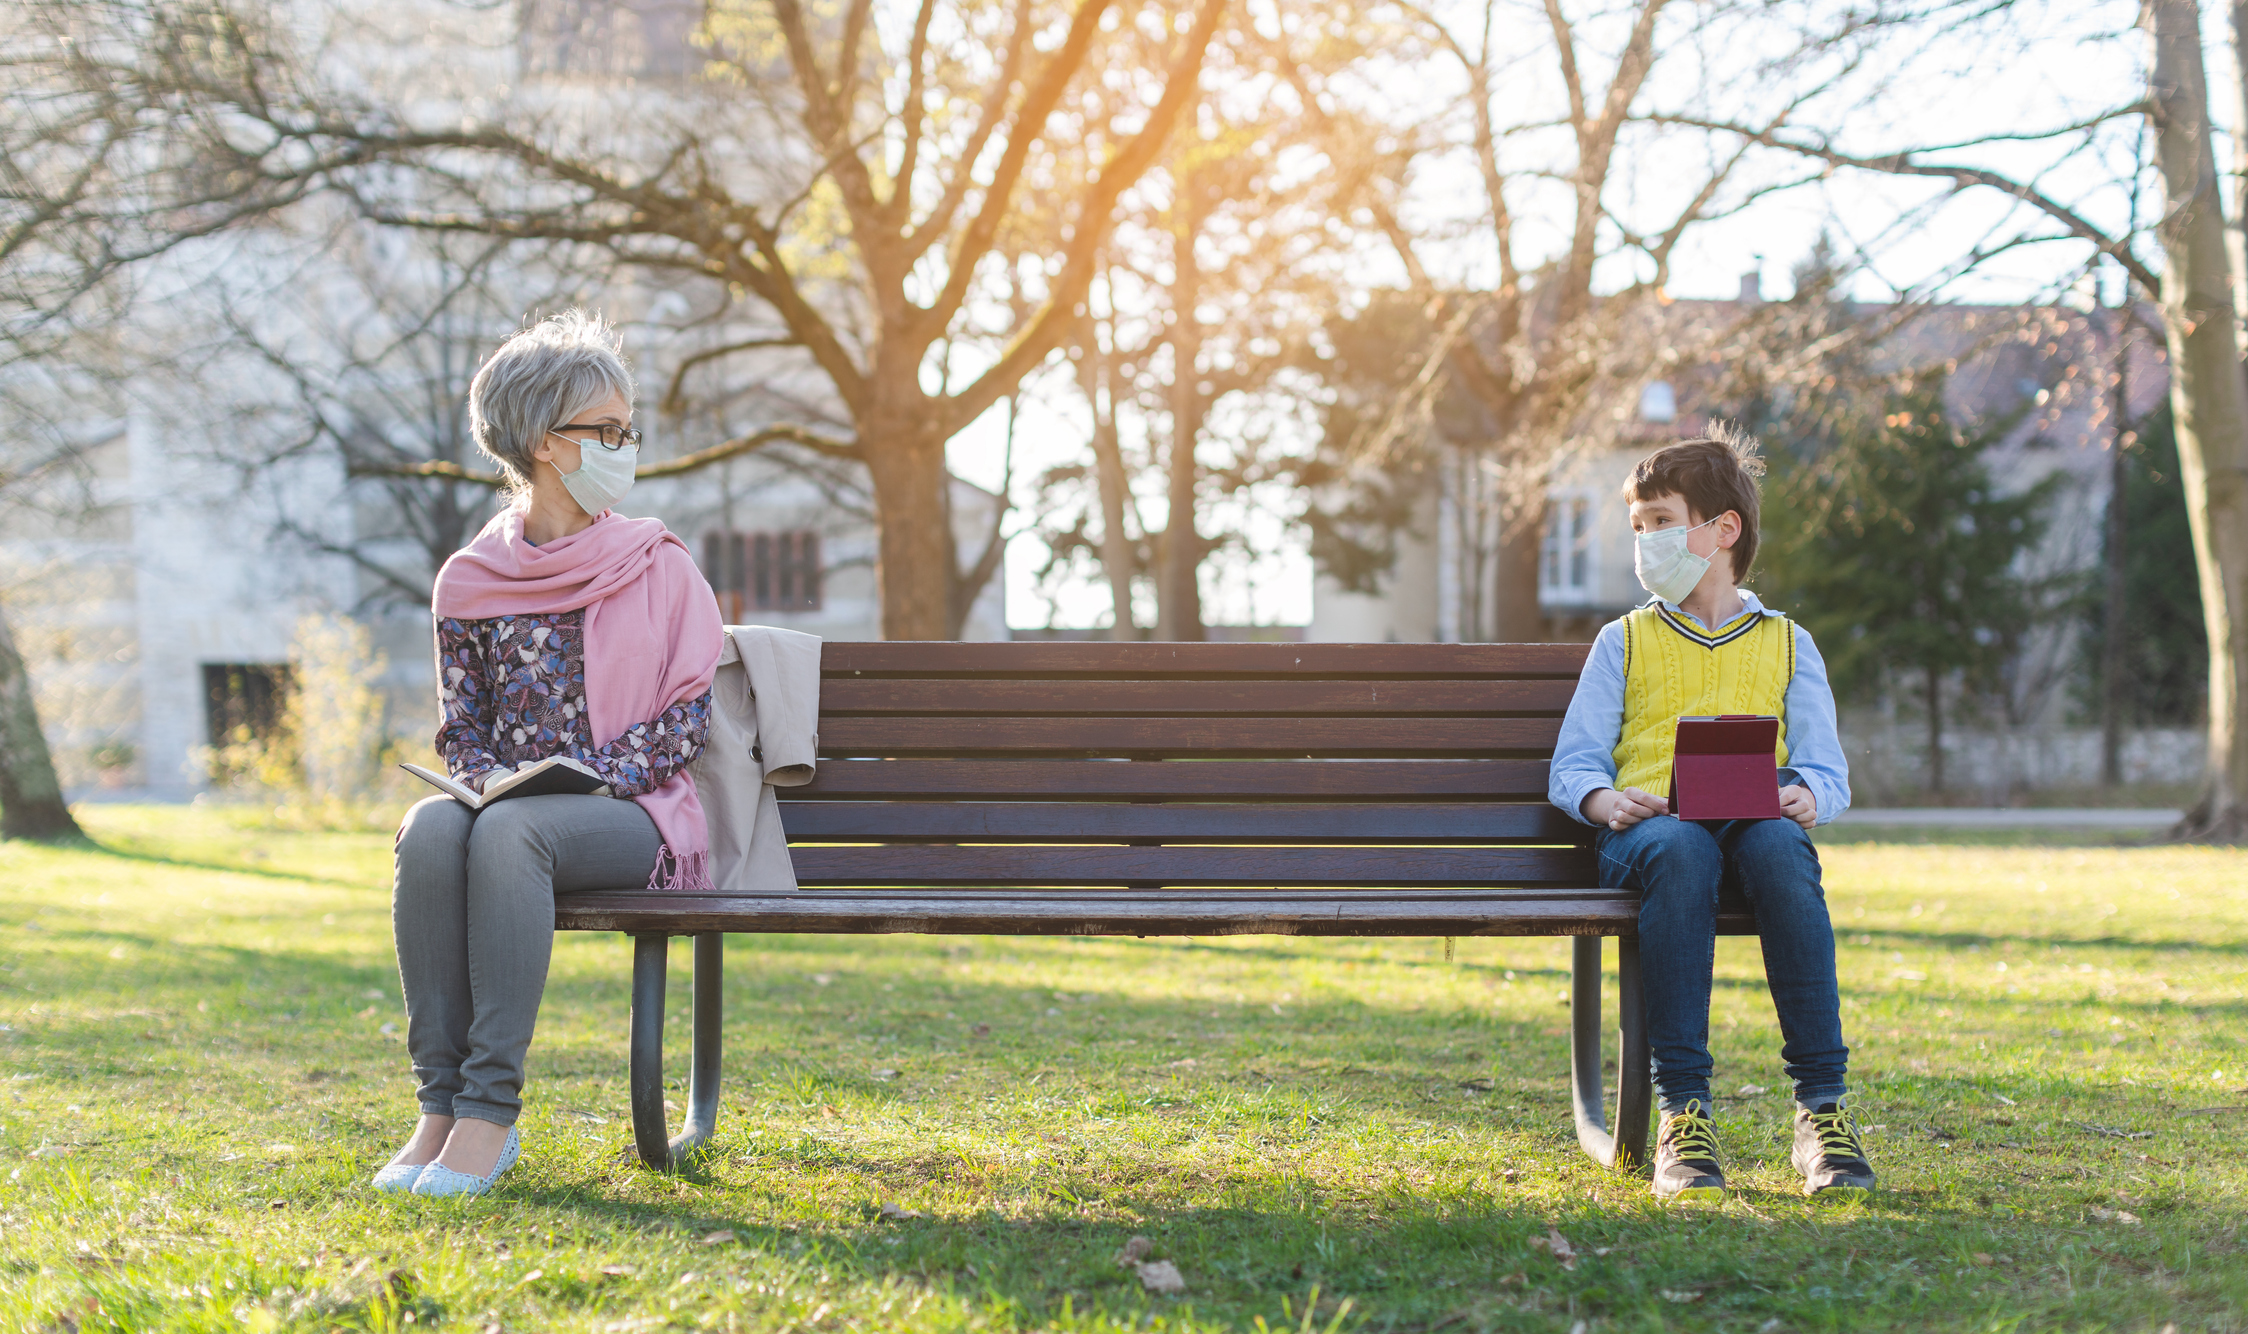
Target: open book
x=548 y=777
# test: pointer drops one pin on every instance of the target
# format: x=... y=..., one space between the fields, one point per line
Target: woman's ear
x=543 y=451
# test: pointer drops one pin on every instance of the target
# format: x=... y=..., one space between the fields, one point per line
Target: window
x=763 y=571
x=615 y=38
x=1658 y=402
x=242 y=700
x=1565 y=573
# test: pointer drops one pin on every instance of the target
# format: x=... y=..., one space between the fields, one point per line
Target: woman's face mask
x=1664 y=565
x=602 y=477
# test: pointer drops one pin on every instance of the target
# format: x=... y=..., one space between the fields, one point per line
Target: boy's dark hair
x=1715 y=472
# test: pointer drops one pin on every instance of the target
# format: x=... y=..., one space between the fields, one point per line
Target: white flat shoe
x=398 y=1178
x=438 y=1179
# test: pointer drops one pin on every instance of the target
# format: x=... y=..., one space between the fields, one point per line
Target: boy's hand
x=1797 y=804
x=1622 y=810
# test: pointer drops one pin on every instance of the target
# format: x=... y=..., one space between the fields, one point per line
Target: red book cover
x=1723 y=768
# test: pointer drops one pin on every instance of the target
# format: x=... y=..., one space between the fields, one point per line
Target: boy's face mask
x=1664 y=565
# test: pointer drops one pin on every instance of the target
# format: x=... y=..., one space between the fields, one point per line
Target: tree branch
x=1095 y=212
x=1961 y=177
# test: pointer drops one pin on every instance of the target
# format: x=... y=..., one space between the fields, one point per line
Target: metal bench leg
x=1584 y=1051
x=1635 y=1074
x=650 y=964
x=1627 y=1146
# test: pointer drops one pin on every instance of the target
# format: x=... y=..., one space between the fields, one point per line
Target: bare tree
x=2197 y=294
x=859 y=202
x=1520 y=330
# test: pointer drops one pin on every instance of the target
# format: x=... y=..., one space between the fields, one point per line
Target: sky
x=2046 y=65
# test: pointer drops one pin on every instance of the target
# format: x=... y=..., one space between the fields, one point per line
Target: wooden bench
x=1170 y=790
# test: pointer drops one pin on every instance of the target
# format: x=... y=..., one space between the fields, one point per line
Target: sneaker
x=1828 y=1154
x=1686 y=1166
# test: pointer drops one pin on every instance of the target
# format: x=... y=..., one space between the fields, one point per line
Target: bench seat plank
x=930 y=912
x=1173 y=823
x=1397 y=738
x=1153 y=867
x=1007 y=660
x=843 y=696
x=1213 y=780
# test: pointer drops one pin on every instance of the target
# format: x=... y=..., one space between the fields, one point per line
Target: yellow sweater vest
x=1672 y=668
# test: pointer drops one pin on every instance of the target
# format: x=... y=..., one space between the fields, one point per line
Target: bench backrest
x=1148 y=766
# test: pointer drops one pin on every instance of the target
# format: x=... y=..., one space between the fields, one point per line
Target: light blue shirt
x=1584 y=760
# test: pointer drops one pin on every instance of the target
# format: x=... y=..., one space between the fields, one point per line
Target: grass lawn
x=202 y=1066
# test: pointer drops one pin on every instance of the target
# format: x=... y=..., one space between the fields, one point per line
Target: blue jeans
x=1677 y=867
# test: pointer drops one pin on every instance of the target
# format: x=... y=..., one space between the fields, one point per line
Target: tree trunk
x=1097 y=381
x=2116 y=617
x=1935 y=729
x=2235 y=234
x=917 y=565
x=31 y=804
x=1179 y=588
x=1519 y=619
x=2208 y=398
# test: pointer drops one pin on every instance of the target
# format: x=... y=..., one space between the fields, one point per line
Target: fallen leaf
x=822 y=979
x=1185 y=1063
x=980 y=1031
x=1135 y=1250
x=618 y=1271
x=1983 y=1258
x=584 y=1115
x=388 y=1030
x=1675 y=1295
x=719 y=1238
x=2114 y=1215
x=1162 y=1277
x=1478 y=1085
x=1553 y=1241
x=887 y=1073
x=1753 y=1090
x=2004 y=1099
x=369 y=1013
x=532 y=1277
x=828 y=1110
x=900 y=1211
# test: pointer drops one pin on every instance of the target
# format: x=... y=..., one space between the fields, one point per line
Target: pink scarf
x=652 y=637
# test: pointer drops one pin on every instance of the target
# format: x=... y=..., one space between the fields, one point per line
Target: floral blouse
x=512 y=690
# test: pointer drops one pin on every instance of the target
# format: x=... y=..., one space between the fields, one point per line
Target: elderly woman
x=564 y=629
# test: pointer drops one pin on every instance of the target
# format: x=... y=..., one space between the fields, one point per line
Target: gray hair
x=539 y=379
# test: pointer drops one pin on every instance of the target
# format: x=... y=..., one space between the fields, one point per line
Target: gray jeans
x=472 y=908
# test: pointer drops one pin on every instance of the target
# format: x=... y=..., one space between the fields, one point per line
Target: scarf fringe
x=686 y=875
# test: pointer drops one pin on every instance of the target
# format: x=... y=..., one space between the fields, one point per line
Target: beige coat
x=764 y=733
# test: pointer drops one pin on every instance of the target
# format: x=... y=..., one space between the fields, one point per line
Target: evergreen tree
x=2165 y=668
x=1895 y=548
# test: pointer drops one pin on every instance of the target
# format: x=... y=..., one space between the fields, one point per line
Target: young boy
x=1704 y=645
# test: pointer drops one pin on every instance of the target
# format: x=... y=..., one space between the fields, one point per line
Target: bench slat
x=1102 y=915
x=1216 y=780
x=938 y=864
x=1070 y=822
x=841 y=696
x=1014 y=660
x=1589 y=912
x=1388 y=737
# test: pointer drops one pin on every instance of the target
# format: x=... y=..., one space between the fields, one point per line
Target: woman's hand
x=1622 y=810
x=1797 y=804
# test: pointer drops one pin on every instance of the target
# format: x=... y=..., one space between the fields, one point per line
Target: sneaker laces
x=1691 y=1134
x=1837 y=1137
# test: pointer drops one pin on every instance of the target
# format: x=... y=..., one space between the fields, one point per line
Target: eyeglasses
x=608 y=437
